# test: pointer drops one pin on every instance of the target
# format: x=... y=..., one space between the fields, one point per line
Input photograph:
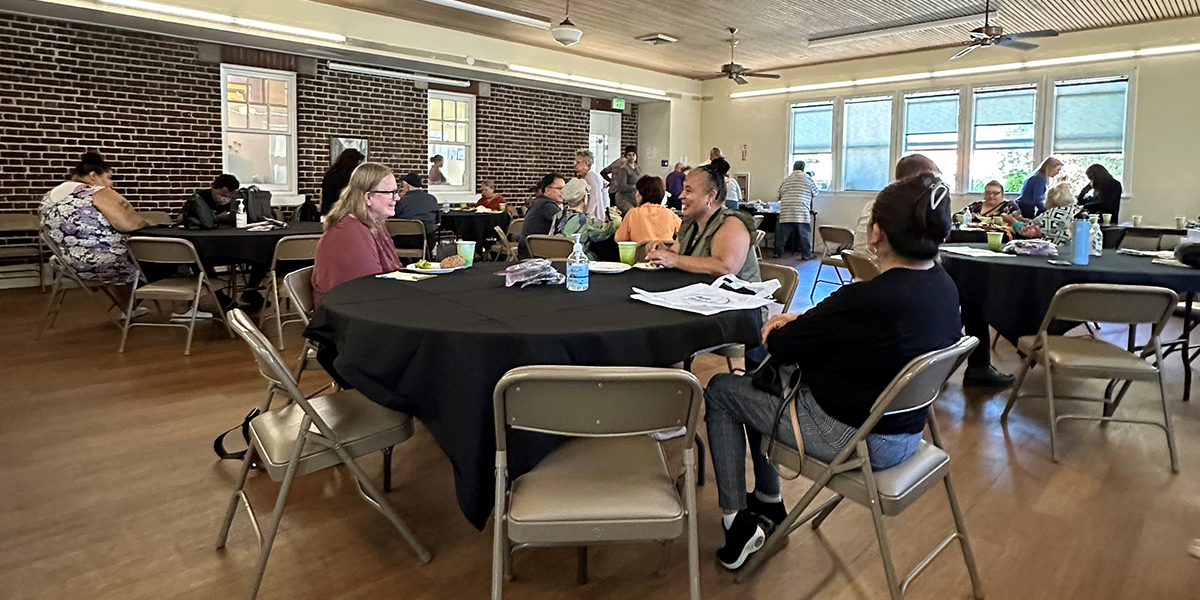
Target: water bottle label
x=577 y=277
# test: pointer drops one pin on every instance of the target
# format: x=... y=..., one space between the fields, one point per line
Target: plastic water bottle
x=240 y=216
x=1097 y=238
x=577 y=268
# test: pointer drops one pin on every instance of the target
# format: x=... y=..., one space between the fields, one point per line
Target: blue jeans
x=786 y=232
x=738 y=412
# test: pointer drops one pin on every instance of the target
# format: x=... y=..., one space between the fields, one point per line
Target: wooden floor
x=109 y=490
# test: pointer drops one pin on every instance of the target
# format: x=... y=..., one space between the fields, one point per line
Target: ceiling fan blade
x=767 y=75
x=979 y=35
x=1008 y=42
x=1041 y=33
x=740 y=80
x=964 y=52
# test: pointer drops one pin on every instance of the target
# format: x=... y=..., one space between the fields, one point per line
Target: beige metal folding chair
x=503 y=247
x=62 y=275
x=788 y=279
x=1141 y=239
x=888 y=492
x=610 y=482
x=759 y=236
x=758 y=219
x=413 y=228
x=308 y=435
x=1090 y=358
x=298 y=287
x=169 y=251
x=861 y=265
x=13 y=223
x=836 y=239
x=156 y=217
x=553 y=247
x=290 y=248
x=515 y=228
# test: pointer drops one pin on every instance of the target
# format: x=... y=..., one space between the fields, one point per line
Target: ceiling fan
x=993 y=35
x=737 y=72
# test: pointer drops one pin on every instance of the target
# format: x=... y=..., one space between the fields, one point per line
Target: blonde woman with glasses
x=356 y=241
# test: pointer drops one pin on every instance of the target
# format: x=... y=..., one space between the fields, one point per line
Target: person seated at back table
x=417 y=203
x=713 y=240
x=1055 y=223
x=488 y=198
x=539 y=219
x=356 y=241
x=650 y=220
x=219 y=197
x=576 y=220
x=1102 y=194
x=847 y=349
x=992 y=205
x=337 y=176
x=913 y=164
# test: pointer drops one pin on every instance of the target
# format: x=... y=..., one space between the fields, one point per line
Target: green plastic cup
x=466 y=249
x=628 y=252
x=1180 y=222
x=1106 y=219
x=995 y=238
x=1137 y=220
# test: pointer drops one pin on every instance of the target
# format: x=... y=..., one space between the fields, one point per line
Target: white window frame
x=1043 y=79
x=834 y=138
x=893 y=155
x=468 y=186
x=291 y=189
x=900 y=132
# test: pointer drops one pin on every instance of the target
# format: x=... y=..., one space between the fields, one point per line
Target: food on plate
x=423 y=264
x=453 y=262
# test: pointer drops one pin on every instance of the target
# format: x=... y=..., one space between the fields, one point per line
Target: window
x=812 y=141
x=1089 y=126
x=1002 y=136
x=866 y=162
x=259 y=127
x=451 y=135
x=931 y=128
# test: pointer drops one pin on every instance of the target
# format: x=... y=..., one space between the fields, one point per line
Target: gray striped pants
x=737 y=412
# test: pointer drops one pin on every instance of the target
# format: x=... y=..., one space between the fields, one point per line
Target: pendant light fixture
x=566 y=33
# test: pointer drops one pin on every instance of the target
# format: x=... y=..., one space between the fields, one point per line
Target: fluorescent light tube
x=644 y=90
x=535 y=71
x=1070 y=60
x=288 y=29
x=893 y=78
x=587 y=81
x=976 y=70
x=522 y=19
x=1168 y=50
x=397 y=75
x=201 y=15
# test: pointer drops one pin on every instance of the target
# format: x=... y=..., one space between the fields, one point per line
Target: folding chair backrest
x=920 y=381
x=788 y=278
x=758 y=219
x=405 y=227
x=596 y=401
x=550 y=246
x=515 y=226
x=167 y=250
x=501 y=235
x=298 y=284
x=296 y=247
x=759 y=236
x=836 y=238
x=862 y=266
x=1140 y=239
x=270 y=364
x=19 y=222
x=156 y=217
x=1109 y=303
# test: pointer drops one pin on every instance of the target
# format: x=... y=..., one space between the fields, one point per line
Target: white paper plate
x=645 y=266
x=436 y=269
x=607 y=267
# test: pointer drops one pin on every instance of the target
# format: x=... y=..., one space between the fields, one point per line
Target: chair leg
x=824 y=514
x=125 y=325
x=1012 y=398
x=55 y=298
x=1053 y=417
x=276 y=308
x=387 y=469
x=779 y=536
x=689 y=493
x=885 y=550
x=500 y=550
x=233 y=501
x=963 y=541
x=664 y=560
x=381 y=503
x=285 y=486
x=581 y=571
x=187 y=346
x=816 y=280
x=701 y=465
x=1162 y=393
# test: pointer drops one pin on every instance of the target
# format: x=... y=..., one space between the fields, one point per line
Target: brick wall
x=151 y=107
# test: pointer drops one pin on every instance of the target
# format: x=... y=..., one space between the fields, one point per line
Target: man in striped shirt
x=796 y=195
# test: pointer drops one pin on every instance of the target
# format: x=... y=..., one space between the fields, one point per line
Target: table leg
x=1187 y=358
x=1131 y=345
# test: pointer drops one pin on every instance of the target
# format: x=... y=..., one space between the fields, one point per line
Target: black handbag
x=219 y=443
x=782 y=381
x=197 y=214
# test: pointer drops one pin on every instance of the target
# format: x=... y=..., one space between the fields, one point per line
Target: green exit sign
x=618 y=104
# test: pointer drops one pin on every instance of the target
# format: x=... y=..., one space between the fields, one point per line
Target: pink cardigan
x=348 y=251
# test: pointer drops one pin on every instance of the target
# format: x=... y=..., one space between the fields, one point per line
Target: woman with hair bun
x=847 y=348
x=713 y=240
x=87 y=219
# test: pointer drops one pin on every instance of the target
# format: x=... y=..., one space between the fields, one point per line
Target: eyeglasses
x=554 y=187
x=392 y=193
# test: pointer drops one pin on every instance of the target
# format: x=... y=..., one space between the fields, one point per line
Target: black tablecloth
x=770 y=219
x=229 y=245
x=472 y=226
x=1015 y=292
x=436 y=349
x=967 y=236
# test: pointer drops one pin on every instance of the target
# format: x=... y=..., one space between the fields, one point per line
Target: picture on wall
x=339 y=143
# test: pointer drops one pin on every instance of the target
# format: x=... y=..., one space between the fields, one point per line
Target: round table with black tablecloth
x=1014 y=292
x=436 y=348
x=230 y=245
x=475 y=226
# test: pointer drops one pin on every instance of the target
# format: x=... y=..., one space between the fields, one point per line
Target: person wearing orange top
x=488 y=196
x=650 y=220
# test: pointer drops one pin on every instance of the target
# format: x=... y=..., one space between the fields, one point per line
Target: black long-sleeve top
x=852 y=344
x=1105 y=200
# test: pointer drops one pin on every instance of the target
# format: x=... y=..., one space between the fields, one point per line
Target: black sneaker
x=986 y=377
x=773 y=512
x=253 y=300
x=743 y=538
